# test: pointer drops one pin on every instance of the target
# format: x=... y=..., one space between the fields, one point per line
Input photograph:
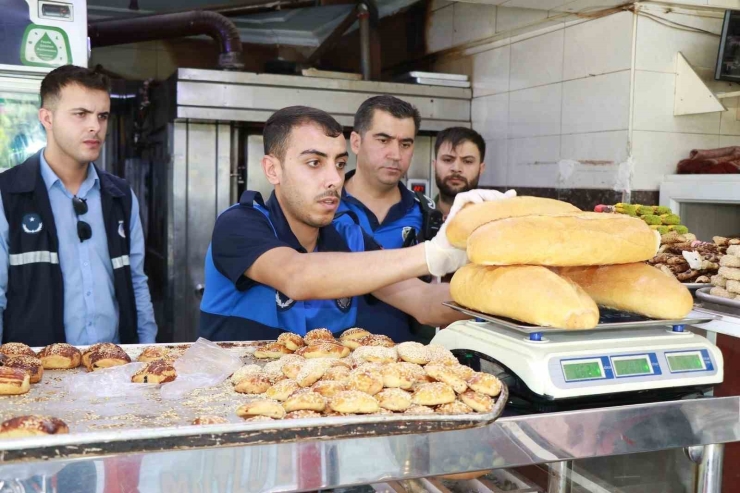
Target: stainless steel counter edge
x=509 y=442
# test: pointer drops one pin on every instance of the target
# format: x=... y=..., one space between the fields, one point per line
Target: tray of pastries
x=290 y=389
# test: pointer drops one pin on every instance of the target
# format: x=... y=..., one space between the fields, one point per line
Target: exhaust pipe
x=174 y=25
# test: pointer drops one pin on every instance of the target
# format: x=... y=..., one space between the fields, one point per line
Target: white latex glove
x=442 y=258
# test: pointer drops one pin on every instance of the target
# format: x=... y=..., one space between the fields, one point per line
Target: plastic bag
x=108 y=382
x=204 y=364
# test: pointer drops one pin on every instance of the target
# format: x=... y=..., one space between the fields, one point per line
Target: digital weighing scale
x=637 y=358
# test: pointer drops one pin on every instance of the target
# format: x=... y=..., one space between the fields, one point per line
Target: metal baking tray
x=696 y=285
x=149 y=423
x=717 y=302
x=608 y=320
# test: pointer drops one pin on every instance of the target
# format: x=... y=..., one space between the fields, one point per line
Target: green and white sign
x=45 y=46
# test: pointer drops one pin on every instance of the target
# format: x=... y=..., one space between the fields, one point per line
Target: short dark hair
x=279 y=126
x=398 y=108
x=456 y=136
x=61 y=77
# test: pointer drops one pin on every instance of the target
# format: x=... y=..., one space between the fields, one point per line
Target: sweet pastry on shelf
x=60 y=356
x=282 y=390
x=413 y=352
x=485 y=383
x=14 y=381
x=396 y=375
x=353 y=402
x=30 y=364
x=394 y=399
x=244 y=371
x=376 y=340
x=479 y=402
x=107 y=357
x=375 y=354
x=157 y=371
x=256 y=383
x=16 y=349
x=292 y=341
x=368 y=381
x=305 y=400
x=95 y=347
x=324 y=350
x=272 y=350
x=446 y=374
x=433 y=394
x=261 y=407
x=312 y=371
x=315 y=335
x=328 y=388
x=32 y=425
x=153 y=353
x=350 y=337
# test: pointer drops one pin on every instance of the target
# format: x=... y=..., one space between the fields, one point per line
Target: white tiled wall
x=660 y=139
x=561 y=94
x=594 y=92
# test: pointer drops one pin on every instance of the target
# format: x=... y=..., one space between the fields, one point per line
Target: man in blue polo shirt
x=383 y=140
x=285 y=265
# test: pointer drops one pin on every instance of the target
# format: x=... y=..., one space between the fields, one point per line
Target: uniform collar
x=399 y=210
x=50 y=178
x=329 y=239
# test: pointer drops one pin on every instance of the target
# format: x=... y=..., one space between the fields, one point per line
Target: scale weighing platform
x=625 y=353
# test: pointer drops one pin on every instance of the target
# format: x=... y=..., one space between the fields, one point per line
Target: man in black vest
x=71 y=242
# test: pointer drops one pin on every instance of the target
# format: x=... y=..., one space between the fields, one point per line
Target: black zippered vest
x=35 y=308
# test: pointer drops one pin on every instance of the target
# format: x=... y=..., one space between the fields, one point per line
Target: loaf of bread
x=473 y=216
x=565 y=240
x=638 y=288
x=528 y=293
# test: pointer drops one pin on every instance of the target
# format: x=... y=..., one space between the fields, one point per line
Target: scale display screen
x=582 y=370
x=685 y=362
x=630 y=366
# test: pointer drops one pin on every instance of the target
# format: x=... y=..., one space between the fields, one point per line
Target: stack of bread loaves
x=545 y=262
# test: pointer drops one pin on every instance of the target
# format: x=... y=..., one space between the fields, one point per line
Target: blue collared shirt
x=90 y=306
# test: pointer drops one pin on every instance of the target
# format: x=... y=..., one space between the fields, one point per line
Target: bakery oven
x=200 y=145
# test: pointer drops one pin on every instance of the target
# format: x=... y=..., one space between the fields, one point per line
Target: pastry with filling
x=350 y=337
x=272 y=350
x=157 y=371
x=14 y=381
x=243 y=372
x=368 y=381
x=413 y=352
x=336 y=374
x=292 y=341
x=312 y=371
x=353 y=402
x=153 y=353
x=107 y=358
x=321 y=334
x=376 y=354
x=446 y=374
x=282 y=390
x=480 y=403
x=325 y=350
x=328 y=388
x=376 y=340
x=305 y=401
x=16 y=349
x=256 y=383
x=261 y=407
x=394 y=399
x=96 y=347
x=396 y=375
x=30 y=364
x=33 y=425
x=60 y=356
x=433 y=394
x=485 y=383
